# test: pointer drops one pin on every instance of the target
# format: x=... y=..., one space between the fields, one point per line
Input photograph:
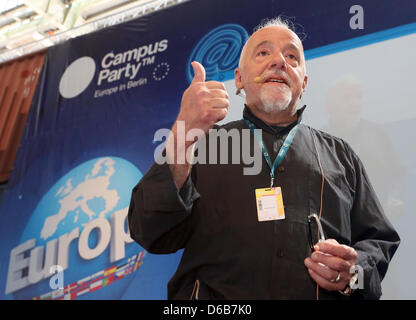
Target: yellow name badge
x=269 y=204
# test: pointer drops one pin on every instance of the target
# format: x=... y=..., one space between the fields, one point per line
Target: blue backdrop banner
x=89 y=138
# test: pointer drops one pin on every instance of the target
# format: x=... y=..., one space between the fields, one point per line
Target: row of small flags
x=96 y=281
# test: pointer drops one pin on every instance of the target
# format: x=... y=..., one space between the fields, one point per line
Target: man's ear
x=305 y=82
x=237 y=80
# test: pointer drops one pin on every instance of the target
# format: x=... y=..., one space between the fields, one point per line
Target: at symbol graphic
x=219 y=52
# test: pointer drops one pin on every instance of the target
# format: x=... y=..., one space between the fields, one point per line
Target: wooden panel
x=18 y=81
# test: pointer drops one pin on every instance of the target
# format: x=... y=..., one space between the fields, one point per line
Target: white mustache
x=278 y=74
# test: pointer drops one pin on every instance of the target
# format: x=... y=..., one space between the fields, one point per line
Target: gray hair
x=275 y=22
x=281 y=21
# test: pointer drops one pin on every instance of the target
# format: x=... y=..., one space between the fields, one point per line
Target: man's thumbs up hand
x=204 y=102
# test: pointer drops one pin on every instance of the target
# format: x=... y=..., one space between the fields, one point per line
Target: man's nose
x=277 y=61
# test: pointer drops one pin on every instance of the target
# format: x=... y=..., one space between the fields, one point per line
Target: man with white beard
x=256 y=236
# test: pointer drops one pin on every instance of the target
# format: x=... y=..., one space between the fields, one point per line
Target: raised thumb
x=199 y=72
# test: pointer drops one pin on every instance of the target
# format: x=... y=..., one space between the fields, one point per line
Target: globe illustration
x=76 y=223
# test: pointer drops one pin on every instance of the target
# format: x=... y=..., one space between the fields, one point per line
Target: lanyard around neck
x=282 y=152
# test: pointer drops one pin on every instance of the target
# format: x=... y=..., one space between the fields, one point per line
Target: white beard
x=275 y=98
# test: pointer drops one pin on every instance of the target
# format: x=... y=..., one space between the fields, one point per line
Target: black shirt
x=234 y=256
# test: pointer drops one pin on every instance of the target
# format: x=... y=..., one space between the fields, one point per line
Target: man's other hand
x=327 y=261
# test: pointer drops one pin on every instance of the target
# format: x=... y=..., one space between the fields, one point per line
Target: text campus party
x=130 y=70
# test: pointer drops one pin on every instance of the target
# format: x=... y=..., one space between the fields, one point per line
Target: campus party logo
x=219 y=52
x=125 y=67
x=79 y=225
x=77 y=77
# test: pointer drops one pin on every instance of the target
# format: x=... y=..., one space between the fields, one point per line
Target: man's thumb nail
x=199 y=72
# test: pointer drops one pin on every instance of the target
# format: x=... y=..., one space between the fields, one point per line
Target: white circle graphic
x=77 y=77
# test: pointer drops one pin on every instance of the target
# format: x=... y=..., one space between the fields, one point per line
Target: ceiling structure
x=28 y=26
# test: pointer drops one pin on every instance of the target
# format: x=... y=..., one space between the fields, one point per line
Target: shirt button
x=281 y=169
x=280 y=253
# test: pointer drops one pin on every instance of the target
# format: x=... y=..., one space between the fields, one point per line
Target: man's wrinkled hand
x=204 y=102
x=329 y=260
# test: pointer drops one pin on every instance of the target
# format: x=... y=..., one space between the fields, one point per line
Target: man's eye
x=292 y=56
x=262 y=53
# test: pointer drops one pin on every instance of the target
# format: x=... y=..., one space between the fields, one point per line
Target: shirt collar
x=275 y=130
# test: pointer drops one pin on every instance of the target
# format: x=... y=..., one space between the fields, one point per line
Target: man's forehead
x=274 y=34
